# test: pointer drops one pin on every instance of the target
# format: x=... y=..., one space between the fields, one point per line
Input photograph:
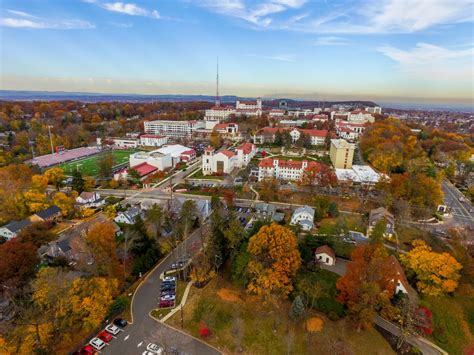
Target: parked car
x=165 y=304
x=169 y=278
x=112 y=329
x=119 y=322
x=97 y=343
x=168 y=298
x=87 y=350
x=155 y=349
x=166 y=293
x=105 y=336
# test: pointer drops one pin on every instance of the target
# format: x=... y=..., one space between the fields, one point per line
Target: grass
x=244 y=322
x=161 y=312
x=90 y=166
x=200 y=175
x=450 y=322
x=287 y=157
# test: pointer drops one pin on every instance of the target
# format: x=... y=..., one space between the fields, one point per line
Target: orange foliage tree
x=274 y=261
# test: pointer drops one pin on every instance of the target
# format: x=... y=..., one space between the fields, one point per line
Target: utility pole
x=218 y=101
x=50 y=139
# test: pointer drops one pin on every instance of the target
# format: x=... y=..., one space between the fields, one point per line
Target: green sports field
x=89 y=166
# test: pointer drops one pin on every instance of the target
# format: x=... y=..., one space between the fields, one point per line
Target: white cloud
x=38 y=23
x=121 y=25
x=21 y=14
x=331 y=41
x=433 y=62
x=130 y=9
x=279 y=57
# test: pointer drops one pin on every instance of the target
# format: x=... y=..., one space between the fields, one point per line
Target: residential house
x=129 y=216
x=378 y=214
x=51 y=214
x=304 y=217
x=402 y=284
x=90 y=199
x=11 y=230
x=325 y=255
x=264 y=210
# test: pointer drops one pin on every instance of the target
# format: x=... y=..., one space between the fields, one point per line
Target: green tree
x=297 y=309
x=187 y=218
x=106 y=164
x=77 y=181
x=377 y=234
x=333 y=210
x=154 y=216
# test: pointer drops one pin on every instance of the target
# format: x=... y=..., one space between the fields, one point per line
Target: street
x=461 y=208
x=144 y=329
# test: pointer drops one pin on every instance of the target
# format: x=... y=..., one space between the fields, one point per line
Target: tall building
x=375 y=109
x=172 y=128
x=341 y=153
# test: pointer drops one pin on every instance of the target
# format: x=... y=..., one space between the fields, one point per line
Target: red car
x=88 y=350
x=104 y=336
x=166 y=303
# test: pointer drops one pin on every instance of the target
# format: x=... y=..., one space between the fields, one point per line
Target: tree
x=215 y=140
x=37 y=234
x=17 y=262
x=89 y=183
x=269 y=189
x=333 y=210
x=297 y=309
x=39 y=183
x=55 y=176
x=274 y=261
x=35 y=201
x=78 y=182
x=15 y=179
x=65 y=202
x=368 y=284
x=377 y=234
x=106 y=164
x=187 y=218
x=154 y=216
x=133 y=176
x=101 y=241
x=436 y=273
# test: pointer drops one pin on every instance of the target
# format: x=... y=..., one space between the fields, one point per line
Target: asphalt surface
x=459 y=205
x=144 y=330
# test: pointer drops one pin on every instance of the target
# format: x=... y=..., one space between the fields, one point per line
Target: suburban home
x=90 y=199
x=402 y=284
x=264 y=210
x=51 y=214
x=11 y=230
x=382 y=213
x=304 y=217
x=325 y=255
x=129 y=216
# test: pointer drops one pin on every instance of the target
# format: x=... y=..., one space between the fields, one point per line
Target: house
x=129 y=216
x=304 y=217
x=227 y=129
x=188 y=155
x=11 y=230
x=245 y=152
x=51 y=214
x=153 y=140
x=381 y=213
x=325 y=255
x=402 y=284
x=264 y=210
x=90 y=199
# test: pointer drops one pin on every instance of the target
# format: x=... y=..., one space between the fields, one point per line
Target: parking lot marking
x=140 y=344
x=126 y=337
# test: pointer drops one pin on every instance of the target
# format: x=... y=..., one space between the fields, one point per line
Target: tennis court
x=89 y=166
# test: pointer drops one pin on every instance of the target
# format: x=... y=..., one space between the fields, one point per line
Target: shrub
x=119 y=304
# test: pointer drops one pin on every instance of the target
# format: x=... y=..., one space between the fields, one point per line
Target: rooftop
x=342 y=144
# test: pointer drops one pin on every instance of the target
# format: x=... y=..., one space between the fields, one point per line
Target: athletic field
x=89 y=166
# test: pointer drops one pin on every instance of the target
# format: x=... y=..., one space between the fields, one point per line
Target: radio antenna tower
x=218 y=101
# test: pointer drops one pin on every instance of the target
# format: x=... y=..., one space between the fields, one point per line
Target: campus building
x=225 y=161
x=341 y=153
x=175 y=129
x=268 y=135
x=289 y=170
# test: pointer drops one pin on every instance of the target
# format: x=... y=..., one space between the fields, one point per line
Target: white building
x=129 y=216
x=268 y=135
x=375 y=109
x=90 y=199
x=177 y=152
x=172 y=128
x=304 y=217
x=227 y=129
x=217 y=114
x=124 y=142
x=11 y=230
x=245 y=153
x=249 y=105
x=152 y=140
x=275 y=112
x=358 y=174
x=325 y=255
x=360 y=116
x=154 y=158
x=349 y=131
x=288 y=170
x=222 y=162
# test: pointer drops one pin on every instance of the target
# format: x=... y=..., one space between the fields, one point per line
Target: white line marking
x=140 y=344
x=126 y=338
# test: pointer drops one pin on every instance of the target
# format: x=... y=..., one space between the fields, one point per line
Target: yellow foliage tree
x=436 y=273
x=65 y=202
x=55 y=176
x=275 y=259
x=35 y=201
x=89 y=183
x=39 y=183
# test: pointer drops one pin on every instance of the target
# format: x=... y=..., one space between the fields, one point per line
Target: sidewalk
x=181 y=305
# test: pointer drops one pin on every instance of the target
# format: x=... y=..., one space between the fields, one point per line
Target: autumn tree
x=65 y=202
x=106 y=164
x=15 y=179
x=274 y=261
x=368 y=284
x=101 y=241
x=187 y=218
x=215 y=140
x=17 y=262
x=55 y=176
x=39 y=183
x=436 y=273
x=155 y=216
x=37 y=234
x=269 y=189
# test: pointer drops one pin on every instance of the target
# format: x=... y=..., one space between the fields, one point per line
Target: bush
x=119 y=304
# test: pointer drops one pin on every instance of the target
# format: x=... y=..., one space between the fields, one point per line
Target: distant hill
x=13 y=95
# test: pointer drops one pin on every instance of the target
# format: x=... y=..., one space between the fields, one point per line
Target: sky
x=391 y=50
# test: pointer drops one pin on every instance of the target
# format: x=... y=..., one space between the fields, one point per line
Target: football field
x=89 y=166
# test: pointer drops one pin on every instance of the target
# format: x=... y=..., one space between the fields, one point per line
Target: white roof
x=359 y=173
x=175 y=150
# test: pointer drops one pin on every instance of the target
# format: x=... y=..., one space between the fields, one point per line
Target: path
x=424 y=345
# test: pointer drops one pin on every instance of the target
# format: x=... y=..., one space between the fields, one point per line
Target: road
x=425 y=346
x=144 y=329
x=459 y=205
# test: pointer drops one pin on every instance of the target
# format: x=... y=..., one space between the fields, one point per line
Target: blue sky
x=374 y=49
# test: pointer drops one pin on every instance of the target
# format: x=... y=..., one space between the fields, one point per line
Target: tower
x=218 y=101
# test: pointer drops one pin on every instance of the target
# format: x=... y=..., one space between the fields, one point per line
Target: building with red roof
x=289 y=170
x=268 y=135
x=245 y=152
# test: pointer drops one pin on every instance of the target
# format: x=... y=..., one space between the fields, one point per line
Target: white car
x=155 y=349
x=169 y=278
x=168 y=298
x=112 y=329
x=97 y=343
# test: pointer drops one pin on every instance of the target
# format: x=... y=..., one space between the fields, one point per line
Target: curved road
x=144 y=329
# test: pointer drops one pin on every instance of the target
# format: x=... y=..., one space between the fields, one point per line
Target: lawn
x=200 y=175
x=287 y=157
x=89 y=166
x=239 y=322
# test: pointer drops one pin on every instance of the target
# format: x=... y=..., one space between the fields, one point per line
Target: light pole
x=51 y=139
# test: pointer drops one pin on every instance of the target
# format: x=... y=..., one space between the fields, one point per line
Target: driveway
x=144 y=329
